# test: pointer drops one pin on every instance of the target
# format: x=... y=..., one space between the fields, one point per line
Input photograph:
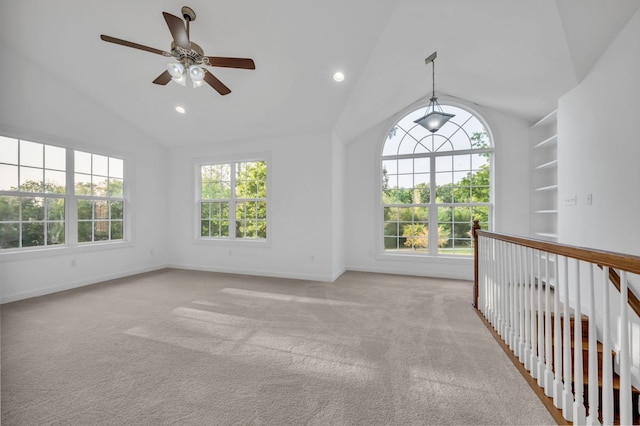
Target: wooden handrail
x=601 y=258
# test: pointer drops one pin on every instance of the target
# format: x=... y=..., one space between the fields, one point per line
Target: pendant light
x=435 y=117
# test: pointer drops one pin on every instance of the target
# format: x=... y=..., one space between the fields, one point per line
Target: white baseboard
x=76 y=284
x=255 y=272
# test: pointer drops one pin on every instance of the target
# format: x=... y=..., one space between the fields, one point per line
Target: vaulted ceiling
x=516 y=56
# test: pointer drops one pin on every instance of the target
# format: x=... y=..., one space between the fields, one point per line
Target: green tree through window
x=233 y=200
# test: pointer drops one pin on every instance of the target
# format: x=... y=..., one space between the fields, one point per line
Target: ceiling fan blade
x=134 y=45
x=244 y=63
x=216 y=84
x=178 y=31
x=163 y=78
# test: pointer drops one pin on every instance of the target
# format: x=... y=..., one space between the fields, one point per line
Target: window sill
x=419 y=258
x=39 y=252
x=235 y=242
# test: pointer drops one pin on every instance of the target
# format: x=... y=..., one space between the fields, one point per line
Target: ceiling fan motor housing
x=188 y=57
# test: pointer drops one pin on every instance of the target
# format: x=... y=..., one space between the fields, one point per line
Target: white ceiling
x=516 y=56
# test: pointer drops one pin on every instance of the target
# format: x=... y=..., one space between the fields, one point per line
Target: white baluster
x=607 y=368
x=522 y=306
x=567 y=395
x=557 y=340
x=626 y=417
x=498 y=290
x=540 y=324
x=512 y=302
x=548 y=373
x=503 y=290
x=592 y=419
x=579 y=412
x=533 y=361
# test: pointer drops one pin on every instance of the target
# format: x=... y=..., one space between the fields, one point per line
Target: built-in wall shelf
x=547 y=188
x=543 y=145
x=547 y=234
x=552 y=163
x=549 y=140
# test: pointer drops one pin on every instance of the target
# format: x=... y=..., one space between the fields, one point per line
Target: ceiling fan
x=189 y=56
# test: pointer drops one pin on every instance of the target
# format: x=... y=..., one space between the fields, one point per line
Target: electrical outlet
x=570 y=200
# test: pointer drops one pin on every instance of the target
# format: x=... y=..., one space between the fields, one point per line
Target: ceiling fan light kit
x=190 y=58
x=435 y=117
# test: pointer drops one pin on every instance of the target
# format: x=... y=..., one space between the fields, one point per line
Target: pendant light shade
x=435 y=117
x=434 y=120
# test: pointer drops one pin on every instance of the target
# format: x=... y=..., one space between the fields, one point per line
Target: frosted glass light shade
x=434 y=120
x=196 y=73
x=176 y=69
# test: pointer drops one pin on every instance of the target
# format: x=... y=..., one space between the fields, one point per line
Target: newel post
x=476 y=227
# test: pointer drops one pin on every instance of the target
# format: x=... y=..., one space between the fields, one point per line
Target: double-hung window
x=98 y=186
x=32 y=194
x=232 y=200
x=56 y=196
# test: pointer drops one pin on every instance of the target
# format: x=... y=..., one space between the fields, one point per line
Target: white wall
x=38 y=107
x=362 y=185
x=299 y=210
x=599 y=149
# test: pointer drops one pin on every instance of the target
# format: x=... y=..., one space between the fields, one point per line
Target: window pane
x=55 y=157
x=32 y=234
x=32 y=209
x=55 y=209
x=115 y=188
x=55 y=233
x=31 y=179
x=9 y=235
x=100 y=186
x=390 y=166
x=391 y=243
x=116 y=168
x=31 y=154
x=261 y=208
x=101 y=210
x=82 y=162
x=116 y=210
x=8 y=177
x=85 y=209
x=391 y=229
x=82 y=184
x=8 y=150
x=224 y=228
x=205 y=210
x=117 y=230
x=55 y=181
x=85 y=231
x=100 y=165
x=101 y=230
x=205 y=228
x=9 y=208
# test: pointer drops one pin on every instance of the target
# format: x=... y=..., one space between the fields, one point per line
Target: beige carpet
x=193 y=348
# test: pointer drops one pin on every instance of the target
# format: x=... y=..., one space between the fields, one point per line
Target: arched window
x=435 y=184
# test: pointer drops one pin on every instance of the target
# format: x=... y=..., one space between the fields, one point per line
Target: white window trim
x=197 y=163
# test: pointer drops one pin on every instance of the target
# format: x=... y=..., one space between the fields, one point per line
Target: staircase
x=530 y=293
x=585 y=375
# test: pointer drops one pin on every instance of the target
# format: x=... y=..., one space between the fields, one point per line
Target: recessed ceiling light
x=180 y=109
x=339 y=77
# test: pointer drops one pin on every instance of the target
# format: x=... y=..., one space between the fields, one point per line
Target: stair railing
x=528 y=290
